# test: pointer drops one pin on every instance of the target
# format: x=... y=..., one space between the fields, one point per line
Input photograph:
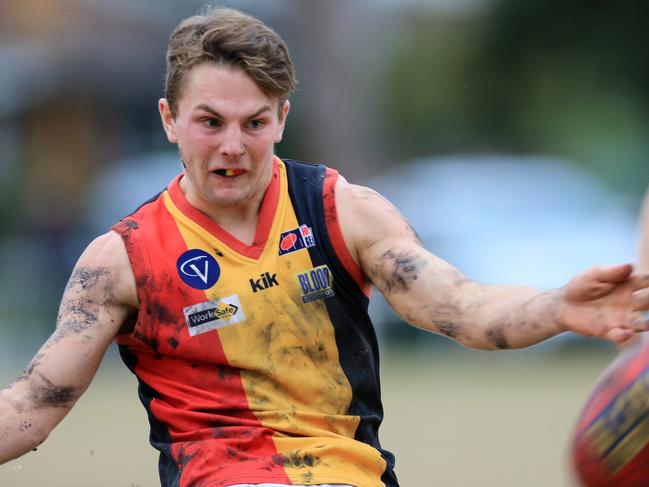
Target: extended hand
x=606 y=302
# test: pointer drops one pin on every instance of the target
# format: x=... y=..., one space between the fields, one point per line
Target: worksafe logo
x=296 y=239
x=198 y=269
x=316 y=283
x=211 y=315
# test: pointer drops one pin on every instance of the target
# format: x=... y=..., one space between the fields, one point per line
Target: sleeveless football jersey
x=256 y=363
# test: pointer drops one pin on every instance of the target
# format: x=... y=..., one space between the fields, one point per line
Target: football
x=610 y=443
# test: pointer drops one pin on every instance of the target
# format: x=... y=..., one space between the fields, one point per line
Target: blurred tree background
x=559 y=77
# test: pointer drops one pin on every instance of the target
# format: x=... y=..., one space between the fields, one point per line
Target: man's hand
x=606 y=302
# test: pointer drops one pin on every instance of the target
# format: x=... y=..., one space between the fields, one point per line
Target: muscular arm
x=431 y=294
x=97 y=300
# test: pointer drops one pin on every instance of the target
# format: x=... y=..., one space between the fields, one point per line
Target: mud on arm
x=96 y=301
x=430 y=293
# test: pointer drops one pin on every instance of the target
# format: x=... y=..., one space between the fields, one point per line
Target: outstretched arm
x=430 y=293
x=97 y=300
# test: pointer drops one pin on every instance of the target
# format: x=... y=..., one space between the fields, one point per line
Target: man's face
x=225 y=128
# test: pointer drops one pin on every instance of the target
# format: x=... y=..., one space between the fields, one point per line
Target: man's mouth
x=228 y=173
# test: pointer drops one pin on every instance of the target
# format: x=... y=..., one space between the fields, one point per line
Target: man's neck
x=240 y=221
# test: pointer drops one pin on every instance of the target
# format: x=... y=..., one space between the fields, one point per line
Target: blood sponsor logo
x=297 y=239
x=198 y=269
x=211 y=315
x=316 y=283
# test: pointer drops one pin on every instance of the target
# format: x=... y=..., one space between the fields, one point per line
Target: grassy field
x=453 y=419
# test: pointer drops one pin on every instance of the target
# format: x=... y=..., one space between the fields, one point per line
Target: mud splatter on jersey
x=256 y=363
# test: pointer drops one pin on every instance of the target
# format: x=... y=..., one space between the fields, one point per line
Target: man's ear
x=168 y=122
x=282 y=121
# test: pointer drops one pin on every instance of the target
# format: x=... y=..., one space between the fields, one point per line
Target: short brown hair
x=226 y=36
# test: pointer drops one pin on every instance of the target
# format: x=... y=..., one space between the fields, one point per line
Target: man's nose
x=232 y=143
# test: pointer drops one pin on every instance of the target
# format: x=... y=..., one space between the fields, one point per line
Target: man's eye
x=256 y=124
x=211 y=122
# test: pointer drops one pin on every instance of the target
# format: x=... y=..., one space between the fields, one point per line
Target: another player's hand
x=606 y=302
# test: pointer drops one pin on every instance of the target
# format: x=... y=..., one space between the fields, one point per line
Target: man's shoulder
x=106 y=258
x=297 y=162
x=301 y=172
x=106 y=250
x=144 y=215
x=297 y=165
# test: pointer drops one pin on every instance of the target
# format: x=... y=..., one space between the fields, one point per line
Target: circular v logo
x=198 y=269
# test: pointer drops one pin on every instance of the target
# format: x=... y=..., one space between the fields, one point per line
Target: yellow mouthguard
x=229 y=172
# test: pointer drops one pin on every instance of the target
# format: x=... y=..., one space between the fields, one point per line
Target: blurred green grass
x=454 y=418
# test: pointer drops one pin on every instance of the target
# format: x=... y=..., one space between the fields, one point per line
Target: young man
x=238 y=296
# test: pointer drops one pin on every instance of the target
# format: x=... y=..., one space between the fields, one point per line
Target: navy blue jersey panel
x=355 y=335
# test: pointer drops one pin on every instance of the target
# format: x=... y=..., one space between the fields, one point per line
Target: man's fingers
x=597 y=282
x=619 y=335
x=639 y=281
x=637 y=322
x=610 y=274
x=640 y=300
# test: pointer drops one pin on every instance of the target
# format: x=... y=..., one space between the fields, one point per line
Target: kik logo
x=264 y=282
x=198 y=269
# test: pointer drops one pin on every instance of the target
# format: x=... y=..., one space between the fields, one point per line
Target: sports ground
x=454 y=418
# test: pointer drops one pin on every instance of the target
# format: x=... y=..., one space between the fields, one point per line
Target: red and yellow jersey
x=256 y=363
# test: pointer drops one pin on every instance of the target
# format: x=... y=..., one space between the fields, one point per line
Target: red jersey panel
x=256 y=363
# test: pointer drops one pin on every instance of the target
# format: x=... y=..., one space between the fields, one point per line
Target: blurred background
x=513 y=135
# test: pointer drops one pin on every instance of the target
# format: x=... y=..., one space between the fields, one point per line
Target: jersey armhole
x=335 y=232
x=139 y=261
